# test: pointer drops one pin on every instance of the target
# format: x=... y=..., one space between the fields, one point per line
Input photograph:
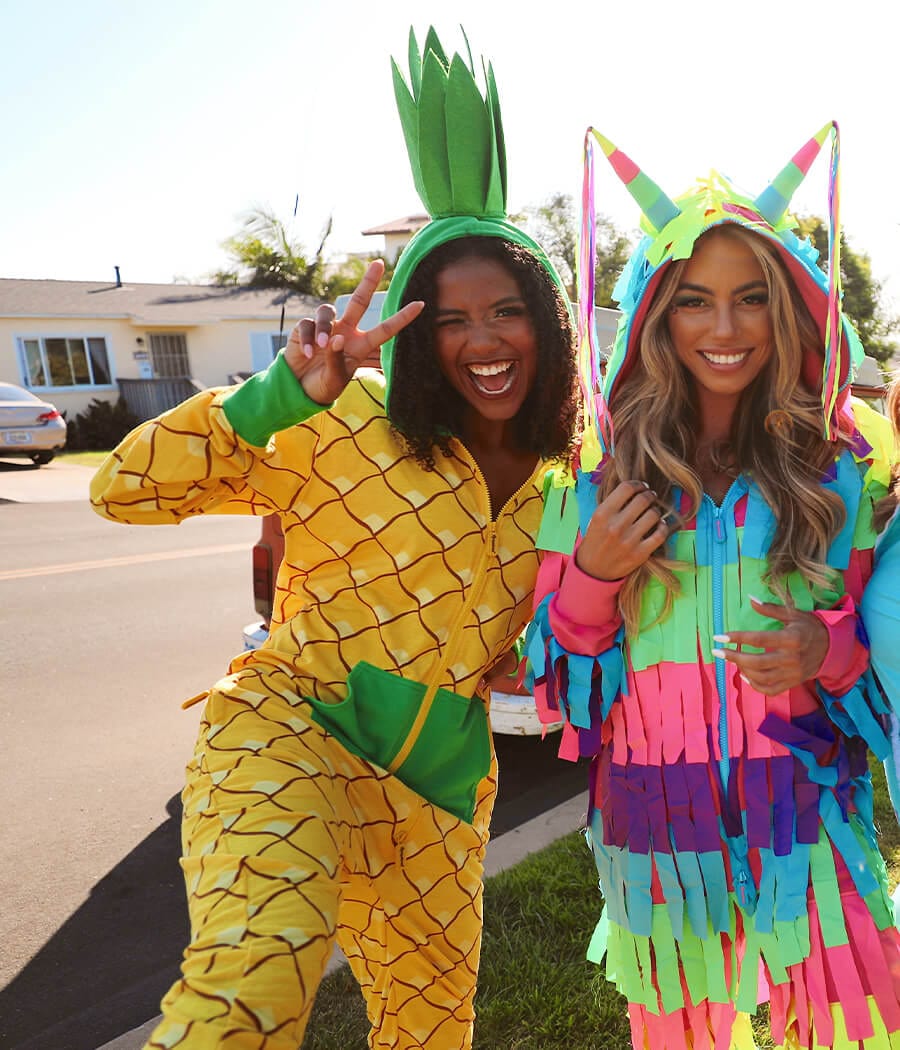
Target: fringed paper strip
x=832 y=367
x=597 y=421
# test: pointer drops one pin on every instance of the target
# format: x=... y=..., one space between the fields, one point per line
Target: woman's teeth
x=726 y=359
x=495 y=379
x=490 y=370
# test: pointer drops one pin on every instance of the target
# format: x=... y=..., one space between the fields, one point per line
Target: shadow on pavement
x=104 y=972
x=107 y=967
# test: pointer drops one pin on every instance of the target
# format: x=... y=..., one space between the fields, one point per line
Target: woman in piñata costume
x=344 y=776
x=697 y=628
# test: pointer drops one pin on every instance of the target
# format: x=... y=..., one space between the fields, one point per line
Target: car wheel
x=40 y=458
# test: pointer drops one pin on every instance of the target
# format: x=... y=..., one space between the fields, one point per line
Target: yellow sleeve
x=191 y=461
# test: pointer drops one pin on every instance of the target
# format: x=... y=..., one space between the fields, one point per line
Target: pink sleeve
x=847 y=657
x=584 y=614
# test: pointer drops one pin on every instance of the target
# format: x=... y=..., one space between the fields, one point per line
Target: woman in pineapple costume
x=344 y=776
x=697 y=628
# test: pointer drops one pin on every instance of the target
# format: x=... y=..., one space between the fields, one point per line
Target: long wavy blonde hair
x=776 y=434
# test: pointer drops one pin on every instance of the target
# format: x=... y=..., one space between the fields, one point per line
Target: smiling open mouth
x=493 y=380
x=725 y=359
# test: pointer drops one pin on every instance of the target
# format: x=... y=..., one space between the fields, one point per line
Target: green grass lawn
x=84 y=459
x=536 y=991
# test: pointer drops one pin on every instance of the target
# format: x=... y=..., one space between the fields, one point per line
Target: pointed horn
x=656 y=207
x=773 y=202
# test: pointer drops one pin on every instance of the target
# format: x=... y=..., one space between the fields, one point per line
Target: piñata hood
x=671 y=228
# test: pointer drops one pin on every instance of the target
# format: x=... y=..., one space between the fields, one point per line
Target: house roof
x=148 y=304
x=407 y=224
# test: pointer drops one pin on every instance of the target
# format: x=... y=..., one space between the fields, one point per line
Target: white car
x=29 y=426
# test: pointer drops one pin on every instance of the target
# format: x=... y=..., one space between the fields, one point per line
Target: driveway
x=57 y=482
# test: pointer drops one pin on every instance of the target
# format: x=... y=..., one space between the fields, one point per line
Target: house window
x=60 y=361
x=169 y=356
x=264 y=347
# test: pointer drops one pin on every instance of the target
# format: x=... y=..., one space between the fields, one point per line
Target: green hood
x=436 y=233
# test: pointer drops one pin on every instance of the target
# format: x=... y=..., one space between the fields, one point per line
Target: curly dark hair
x=425 y=409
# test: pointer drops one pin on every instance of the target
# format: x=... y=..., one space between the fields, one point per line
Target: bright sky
x=138 y=134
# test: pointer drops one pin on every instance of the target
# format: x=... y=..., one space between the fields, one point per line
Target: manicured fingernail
x=718 y=653
x=722 y=638
x=322 y=339
x=744 y=678
x=307 y=350
x=759 y=601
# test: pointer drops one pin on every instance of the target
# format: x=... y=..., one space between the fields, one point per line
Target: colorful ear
x=659 y=210
x=773 y=202
x=656 y=207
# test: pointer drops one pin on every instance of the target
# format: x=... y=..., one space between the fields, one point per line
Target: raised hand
x=625 y=529
x=324 y=352
x=791 y=656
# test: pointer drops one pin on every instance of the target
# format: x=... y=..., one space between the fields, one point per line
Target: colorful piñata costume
x=732 y=831
x=880 y=610
x=343 y=779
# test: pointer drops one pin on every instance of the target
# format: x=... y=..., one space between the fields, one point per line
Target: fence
x=146 y=398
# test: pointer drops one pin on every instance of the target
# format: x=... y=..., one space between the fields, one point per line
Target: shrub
x=101 y=426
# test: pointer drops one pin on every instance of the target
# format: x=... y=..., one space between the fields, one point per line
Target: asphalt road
x=107 y=629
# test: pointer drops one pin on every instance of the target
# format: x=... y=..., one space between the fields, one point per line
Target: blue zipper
x=718 y=560
x=744 y=885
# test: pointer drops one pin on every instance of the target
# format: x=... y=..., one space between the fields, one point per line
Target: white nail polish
x=322 y=339
x=307 y=350
x=722 y=638
x=718 y=653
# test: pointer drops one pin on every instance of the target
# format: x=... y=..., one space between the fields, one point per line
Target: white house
x=74 y=341
x=397 y=233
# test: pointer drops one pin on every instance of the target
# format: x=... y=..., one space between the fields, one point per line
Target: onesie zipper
x=718 y=547
x=489 y=551
x=744 y=885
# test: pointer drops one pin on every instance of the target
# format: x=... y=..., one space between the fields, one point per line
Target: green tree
x=556 y=223
x=265 y=256
x=342 y=278
x=862 y=293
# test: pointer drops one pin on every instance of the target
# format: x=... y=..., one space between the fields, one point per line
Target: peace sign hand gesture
x=323 y=352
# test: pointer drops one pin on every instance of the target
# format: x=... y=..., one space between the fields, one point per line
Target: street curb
x=503 y=852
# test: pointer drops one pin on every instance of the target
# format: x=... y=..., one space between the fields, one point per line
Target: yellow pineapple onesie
x=343 y=778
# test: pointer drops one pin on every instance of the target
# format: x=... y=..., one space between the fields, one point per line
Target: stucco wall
x=214 y=352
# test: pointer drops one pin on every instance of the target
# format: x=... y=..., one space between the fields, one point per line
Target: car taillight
x=45 y=417
x=263 y=581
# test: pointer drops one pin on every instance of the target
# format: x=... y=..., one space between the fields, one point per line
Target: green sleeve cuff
x=267 y=402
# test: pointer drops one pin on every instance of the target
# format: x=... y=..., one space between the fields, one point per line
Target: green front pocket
x=452 y=753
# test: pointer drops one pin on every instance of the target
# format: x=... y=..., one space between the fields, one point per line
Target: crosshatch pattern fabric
x=380 y=556
x=276 y=862
x=732 y=831
x=288 y=836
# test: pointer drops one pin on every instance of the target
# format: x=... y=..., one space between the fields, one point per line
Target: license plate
x=16 y=437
